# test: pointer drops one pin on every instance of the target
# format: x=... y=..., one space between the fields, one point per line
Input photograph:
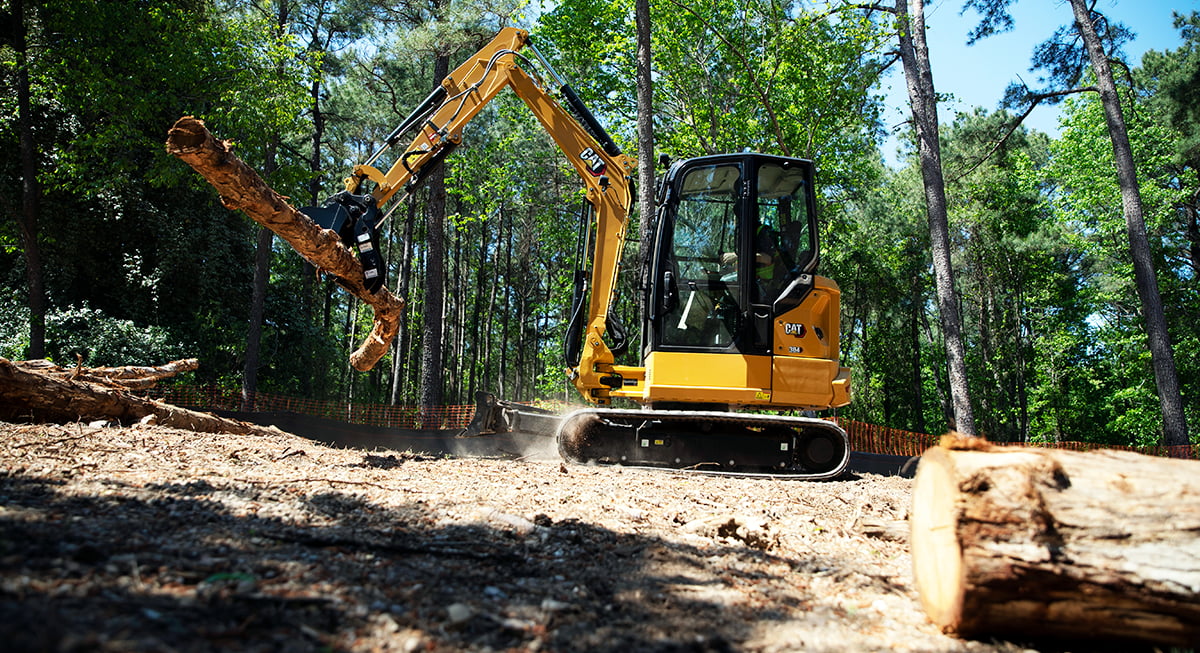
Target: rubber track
x=742 y=419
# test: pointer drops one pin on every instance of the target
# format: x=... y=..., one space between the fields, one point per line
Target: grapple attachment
x=354 y=218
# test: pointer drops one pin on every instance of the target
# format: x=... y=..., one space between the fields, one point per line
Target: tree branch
x=1037 y=99
x=762 y=96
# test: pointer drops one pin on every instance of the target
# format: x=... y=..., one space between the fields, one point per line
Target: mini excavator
x=736 y=317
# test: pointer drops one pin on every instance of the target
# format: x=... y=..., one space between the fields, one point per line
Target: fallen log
x=242 y=188
x=1047 y=543
x=45 y=395
x=128 y=377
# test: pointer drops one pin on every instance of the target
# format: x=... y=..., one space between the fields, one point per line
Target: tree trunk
x=1192 y=210
x=347 y=378
x=128 y=377
x=1157 y=335
x=497 y=277
x=435 y=274
x=477 y=320
x=258 y=301
x=506 y=311
x=914 y=55
x=1026 y=542
x=400 y=364
x=258 y=298
x=30 y=191
x=918 y=383
x=48 y=394
x=645 y=140
x=262 y=260
x=457 y=300
x=242 y=188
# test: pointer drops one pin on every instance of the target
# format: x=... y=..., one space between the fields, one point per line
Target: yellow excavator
x=736 y=317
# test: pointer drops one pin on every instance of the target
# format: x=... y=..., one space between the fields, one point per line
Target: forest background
x=115 y=252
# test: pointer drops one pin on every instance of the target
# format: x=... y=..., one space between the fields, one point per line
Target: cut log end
x=187 y=134
x=936 y=552
x=1039 y=543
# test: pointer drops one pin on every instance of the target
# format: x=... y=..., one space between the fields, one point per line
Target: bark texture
x=645 y=136
x=1158 y=338
x=128 y=377
x=30 y=190
x=42 y=391
x=918 y=76
x=432 y=335
x=242 y=188
x=1026 y=542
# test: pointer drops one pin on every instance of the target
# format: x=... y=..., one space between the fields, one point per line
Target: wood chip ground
x=155 y=539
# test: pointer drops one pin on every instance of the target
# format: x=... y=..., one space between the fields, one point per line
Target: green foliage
x=144 y=265
x=1172 y=80
x=87 y=334
x=99 y=339
x=773 y=77
x=124 y=71
x=14 y=324
x=877 y=250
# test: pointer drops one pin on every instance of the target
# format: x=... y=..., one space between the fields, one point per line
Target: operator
x=767 y=263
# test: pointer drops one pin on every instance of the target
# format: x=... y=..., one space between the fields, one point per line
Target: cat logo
x=794 y=329
x=594 y=163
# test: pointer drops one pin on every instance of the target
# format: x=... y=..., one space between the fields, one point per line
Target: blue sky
x=977 y=75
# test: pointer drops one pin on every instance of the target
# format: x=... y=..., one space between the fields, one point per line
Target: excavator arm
x=440 y=122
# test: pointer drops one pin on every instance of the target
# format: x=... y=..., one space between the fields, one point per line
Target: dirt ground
x=156 y=539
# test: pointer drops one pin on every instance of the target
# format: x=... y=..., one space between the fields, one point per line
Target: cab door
x=783 y=247
x=699 y=291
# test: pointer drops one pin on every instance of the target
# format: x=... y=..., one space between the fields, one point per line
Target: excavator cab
x=736 y=235
x=737 y=315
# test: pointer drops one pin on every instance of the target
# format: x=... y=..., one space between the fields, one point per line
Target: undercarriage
x=714 y=442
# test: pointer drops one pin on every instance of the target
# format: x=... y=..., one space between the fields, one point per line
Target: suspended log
x=1059 y=544
x=48 y=395
x=242 y=188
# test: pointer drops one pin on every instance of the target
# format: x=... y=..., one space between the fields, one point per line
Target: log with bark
x=44 y=392
x=242 y=188
x=1029 y=542
x=128 y=377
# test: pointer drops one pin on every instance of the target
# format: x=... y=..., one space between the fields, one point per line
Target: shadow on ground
x=171 y=568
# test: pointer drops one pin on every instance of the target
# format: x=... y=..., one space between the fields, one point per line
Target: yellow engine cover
x=801 y=372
